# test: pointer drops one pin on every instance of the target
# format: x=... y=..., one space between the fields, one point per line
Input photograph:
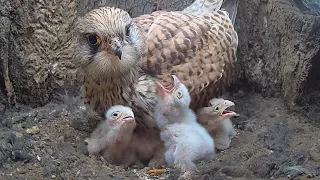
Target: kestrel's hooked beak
x=117 y=47
x=124 y=118
x=128 y=117
x=162 y=91
x=225 y=112
x=176 y=81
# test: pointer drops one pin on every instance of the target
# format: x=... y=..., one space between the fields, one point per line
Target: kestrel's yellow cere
x=121 y=57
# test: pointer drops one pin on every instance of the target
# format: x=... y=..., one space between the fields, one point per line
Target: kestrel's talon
x=155 y=172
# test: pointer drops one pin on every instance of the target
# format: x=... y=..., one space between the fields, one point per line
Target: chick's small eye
x=179 y=94
x=94 y=40
x=217 y=108
x=115 y=114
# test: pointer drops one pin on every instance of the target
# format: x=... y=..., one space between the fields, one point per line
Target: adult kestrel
x=121 y=57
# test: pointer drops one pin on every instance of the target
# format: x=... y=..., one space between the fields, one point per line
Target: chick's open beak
x=128 y=118
x=227 y=113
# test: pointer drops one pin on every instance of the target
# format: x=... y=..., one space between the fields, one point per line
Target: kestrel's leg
x=157 y=162
x=162 y=157
x=168 y=156
x=222 y=135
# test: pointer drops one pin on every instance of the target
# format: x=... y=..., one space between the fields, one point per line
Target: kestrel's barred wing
x=200 y=50
x=197 y=7
x=144 y=21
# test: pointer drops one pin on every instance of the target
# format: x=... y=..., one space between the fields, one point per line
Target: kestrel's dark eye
x=94 y=40
x=128 y=29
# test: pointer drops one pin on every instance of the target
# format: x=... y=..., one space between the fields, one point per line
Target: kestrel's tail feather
x=203 y=6
x=231 y=7
x=208 y=6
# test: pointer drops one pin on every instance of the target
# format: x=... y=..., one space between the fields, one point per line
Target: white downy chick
x=216 y=119
x=185 y=140
x=112 y=137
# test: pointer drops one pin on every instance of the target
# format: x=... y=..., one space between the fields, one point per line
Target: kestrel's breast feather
x=200 y=50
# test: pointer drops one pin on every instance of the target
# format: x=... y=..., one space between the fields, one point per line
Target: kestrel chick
x=185 y=140
x=216 y=119
x=114 y=135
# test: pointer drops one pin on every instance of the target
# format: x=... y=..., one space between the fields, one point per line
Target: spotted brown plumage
x=121 y=57
x=200 y=50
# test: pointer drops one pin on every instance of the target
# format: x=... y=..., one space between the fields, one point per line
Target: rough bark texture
x=37 y=49
x=134 y=7
x=279 y=43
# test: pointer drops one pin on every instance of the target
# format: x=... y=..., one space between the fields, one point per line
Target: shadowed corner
x=309 y=99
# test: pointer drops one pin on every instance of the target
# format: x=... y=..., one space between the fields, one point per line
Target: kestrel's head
x=107 y=42
x=218 y=109
x=120 y=116
x=177 y=96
